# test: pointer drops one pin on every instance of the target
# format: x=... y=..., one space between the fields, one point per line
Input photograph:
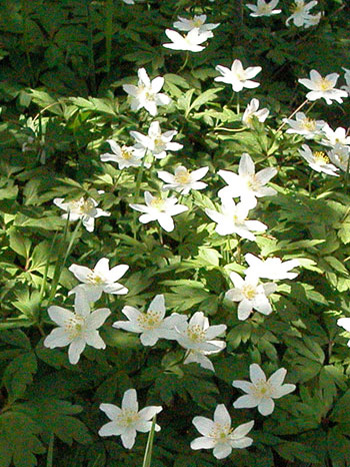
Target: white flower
x=84 y=209
x=127 y=420
x=344 y=323
x=312 y=20
x=159 y=209
x=198 y=21
x=264 y=9
x=247 y=184
x=146 y=93
x=301 y=13
x=323 y=87
x=233 y=219
x=318 y=160
x=305 y=126
x=252 y=110
x=260 y=393
x=339 y=155
x=196 y=336
x=347 y=80
x=183 y=181
x=125 y=156
x=219 y=435
x=156 y=142
x=100 y=279
x=76 y=329
x=250 y=294
x=333 y=137
x=129 y=2
x=189 y=42
x=237 y=76
x=271 y=268
x=151 y=325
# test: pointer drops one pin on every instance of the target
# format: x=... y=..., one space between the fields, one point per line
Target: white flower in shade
x=76 y=329
x=247 y=184
x=250 y=294
x=189 y=42
x=305 y=126
x=312 y=20
x=300 y=12
x=84 y=209
x=129 y=2
x=198 y=21
x=159 y=209
x=252 y=111
x=125 y=156
x=183 y=181
x=344 y=323
x=127 y=420
x=323 y=87
x=197 y=337
x=318 y=160
x=156 y=142
x=271 y=268
x=346 y=87
x=100 y=279
x=261 y=392
x=218 y=434
x=146 y=94
x=333 y=137
x=152 y=325
x=233 y=219
x=340 y=155
x=237 y=76
x=263 y=9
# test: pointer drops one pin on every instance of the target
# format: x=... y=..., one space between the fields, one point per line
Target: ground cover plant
x=175 y=223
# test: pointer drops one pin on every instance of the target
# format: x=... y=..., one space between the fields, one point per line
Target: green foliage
x=63 y=65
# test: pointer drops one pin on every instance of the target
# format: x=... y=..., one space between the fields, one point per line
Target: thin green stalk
x=238 y=108
x=109 y=33
x=26 y=40
x=44 y=282
x=149 y=447
x=310 y=181
x=60 y=265
x=92 y=69
x=137 y=191
x=185 y=62
x=49 y=462
x=293 y=113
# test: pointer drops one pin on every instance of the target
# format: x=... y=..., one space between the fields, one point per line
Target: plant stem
x=92 y=70
x=109 y=33
x=148 y=452
x=293 y=113
x=185 y=62
x=238 y=108
x=137 y=191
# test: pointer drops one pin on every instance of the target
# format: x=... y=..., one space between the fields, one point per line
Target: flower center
x=126 y=153
x=262 y=389
x=220 y=432
x=196 y=333
x=309 y=124
x=298 y=6
x=74 y=326
x=158 y=203
x=149 y=320
x=197 y=23
x=325 y=84
x=264 y=9
x=95 y=279
x=127 y=417
x=252 y=183
x=249 y=291
x=82 y=206
x=321 y=158
x=182 y=177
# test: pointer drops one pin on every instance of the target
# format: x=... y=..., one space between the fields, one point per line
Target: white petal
x=60 y=315
x=202 y=443
x=221 y=415
x=222 y=450
x=204 y=425
x=148 y=413
x=266 y=406
x=130 y=400
x=57 y=338
x=80 y=272
x=111 y=410
x=75 y=349
x=246 y=402
x=256 y=373
x=128 y=438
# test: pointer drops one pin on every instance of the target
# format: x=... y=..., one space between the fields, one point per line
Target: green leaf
x=19 y=374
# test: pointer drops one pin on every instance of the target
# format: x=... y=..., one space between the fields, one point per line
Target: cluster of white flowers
x=194 y=333
x=197 y=31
